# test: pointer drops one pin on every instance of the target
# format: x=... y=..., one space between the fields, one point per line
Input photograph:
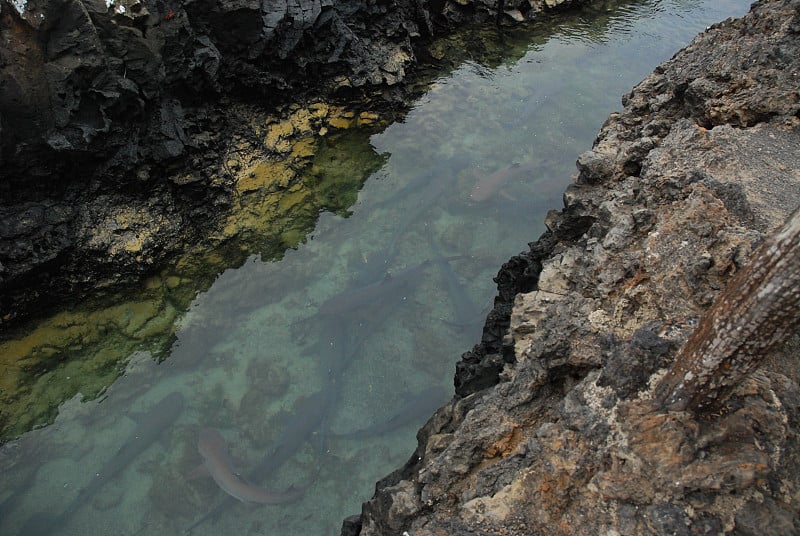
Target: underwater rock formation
x=553 y=430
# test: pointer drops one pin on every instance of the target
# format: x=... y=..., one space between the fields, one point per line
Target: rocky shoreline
x=552 y=430
x=116 y=123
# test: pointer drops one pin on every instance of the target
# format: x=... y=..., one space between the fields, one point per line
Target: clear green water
x=273 y=349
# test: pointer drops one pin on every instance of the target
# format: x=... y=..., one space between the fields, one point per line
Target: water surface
x=329 y=360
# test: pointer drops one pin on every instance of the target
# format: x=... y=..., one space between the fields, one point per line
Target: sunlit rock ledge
x=552 y=430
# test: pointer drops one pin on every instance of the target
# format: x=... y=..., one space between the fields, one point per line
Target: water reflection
x=315 y=371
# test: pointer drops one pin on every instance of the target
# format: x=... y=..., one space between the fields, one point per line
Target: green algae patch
x=334 y=183
x=309 y=160
x=75 y=352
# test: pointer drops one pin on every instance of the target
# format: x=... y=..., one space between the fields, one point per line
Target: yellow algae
x=126 y=230
x=130 y=317
x=341 y=118
x=182 y=180
x=134 y=244
x=343 y=81
x=367 y=118
x=29 y=349
x=340 y=122
x=254 y=215
x=284 y=146
x=200 y=264
x=231 y=227
x=304 y=148
x=301 y=121
x=159 y=324
x=292 y=199
x=278 y=132
x=265 y=175
x=318 y=110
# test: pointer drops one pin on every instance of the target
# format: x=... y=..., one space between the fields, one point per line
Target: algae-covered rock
x=280 y=195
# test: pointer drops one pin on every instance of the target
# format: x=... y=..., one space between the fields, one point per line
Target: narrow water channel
x=310 y=376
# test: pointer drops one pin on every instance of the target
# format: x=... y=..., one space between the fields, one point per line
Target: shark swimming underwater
x=492 y=185
x=216 y=461
x=300 y=427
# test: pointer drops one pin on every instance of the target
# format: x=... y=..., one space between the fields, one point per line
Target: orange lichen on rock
x=504 y=446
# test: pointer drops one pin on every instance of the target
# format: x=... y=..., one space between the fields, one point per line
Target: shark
x=488 y=187
x=307 y=418
x=420 y=195
x=216 y=461
x=465 y=312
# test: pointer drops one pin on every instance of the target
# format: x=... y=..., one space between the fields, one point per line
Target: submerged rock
x=553 y=430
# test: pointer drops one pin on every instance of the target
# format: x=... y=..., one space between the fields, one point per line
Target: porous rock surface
x=115 y=117
x=552 y=430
